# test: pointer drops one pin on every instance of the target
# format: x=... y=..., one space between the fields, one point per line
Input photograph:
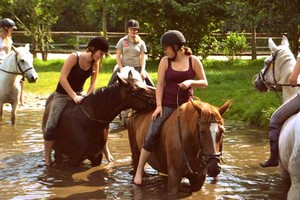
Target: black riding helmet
x=98 y=43
x=7 y=22
x=171 y=38
x=133 y=24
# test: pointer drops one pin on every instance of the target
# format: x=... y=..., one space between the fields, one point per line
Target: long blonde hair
x=5 y=37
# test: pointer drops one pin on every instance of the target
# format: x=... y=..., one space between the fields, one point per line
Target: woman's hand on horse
x=78 y=99
x=157 y=111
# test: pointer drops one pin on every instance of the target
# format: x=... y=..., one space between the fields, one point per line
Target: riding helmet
x=99 y=43
x=7 y=22
x=172 y=37
x=133 y=24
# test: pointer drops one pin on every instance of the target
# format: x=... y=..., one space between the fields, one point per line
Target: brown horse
x=190 y=143
x=79 y=132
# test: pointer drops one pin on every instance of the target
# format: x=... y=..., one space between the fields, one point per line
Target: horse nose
x=213 y=169
x=32 y=79
x=260 y=86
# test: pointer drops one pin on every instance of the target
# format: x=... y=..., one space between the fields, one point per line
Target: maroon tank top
x=173 y=78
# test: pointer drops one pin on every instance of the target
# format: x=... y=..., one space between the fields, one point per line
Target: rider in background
x=75 y=71
x=7 y=26
x=176 y=75
x=282 y=113
x=131 y=51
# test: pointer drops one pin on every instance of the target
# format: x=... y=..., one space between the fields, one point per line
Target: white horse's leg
x=14 y=112
x=1 y=113
x=294 y=191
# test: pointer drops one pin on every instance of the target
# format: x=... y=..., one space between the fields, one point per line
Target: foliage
x=197 y=20
x=36 y=17
x=233 y=44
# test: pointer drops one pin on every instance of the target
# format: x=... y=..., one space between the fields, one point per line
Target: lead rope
x=180 y=135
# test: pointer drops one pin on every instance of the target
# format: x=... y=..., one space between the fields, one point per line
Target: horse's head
x=211 y=133
x=277 y=67
x=137 y=95
x=125 y=71
x=24 y=61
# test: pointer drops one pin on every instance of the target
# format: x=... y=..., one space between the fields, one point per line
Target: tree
x=36 y=17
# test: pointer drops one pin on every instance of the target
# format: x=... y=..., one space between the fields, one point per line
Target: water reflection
x=22 y=175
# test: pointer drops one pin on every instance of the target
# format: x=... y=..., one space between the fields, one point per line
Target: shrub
x=233 y=44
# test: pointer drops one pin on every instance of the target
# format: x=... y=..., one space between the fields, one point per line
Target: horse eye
x=22 y=60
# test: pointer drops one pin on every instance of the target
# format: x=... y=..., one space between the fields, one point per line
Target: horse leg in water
x=174 y=179
x=196 y=181
x=1 y=113
x=14 y=112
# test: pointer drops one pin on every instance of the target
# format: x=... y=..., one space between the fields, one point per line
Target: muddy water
x=22 y=175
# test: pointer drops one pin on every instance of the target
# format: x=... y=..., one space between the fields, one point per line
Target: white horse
x=18 y=64
x=278 y=67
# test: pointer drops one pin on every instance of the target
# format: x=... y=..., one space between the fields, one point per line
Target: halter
x=200 y=153
x=19 y=67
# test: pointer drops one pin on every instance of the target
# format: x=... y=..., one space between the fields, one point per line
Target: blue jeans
x=153 y=134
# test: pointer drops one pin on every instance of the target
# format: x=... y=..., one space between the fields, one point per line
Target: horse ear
x=121 y=80
x=196 y=105
x=285 y=41
x=27 y=46
x=272 y=45
x=225 y=107
x=130 y=74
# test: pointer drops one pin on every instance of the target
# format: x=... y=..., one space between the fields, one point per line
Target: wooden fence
x=66 y=42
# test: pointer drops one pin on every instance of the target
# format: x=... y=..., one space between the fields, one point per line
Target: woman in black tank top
x=75 y=71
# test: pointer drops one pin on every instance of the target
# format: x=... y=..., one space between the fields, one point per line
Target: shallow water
x=22 y=175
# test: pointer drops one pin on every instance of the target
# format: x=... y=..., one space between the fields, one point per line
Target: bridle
x=261 y=76
x=204 y=157
x=144 y=97
x=22 y=72
x=273 y=85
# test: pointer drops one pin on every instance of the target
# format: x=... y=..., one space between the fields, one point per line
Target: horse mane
x=204 y=110
x=286 y=59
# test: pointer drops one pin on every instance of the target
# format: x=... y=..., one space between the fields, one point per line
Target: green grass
x=226 y=79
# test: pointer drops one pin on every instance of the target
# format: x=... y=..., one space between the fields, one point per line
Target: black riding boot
x=273 y=160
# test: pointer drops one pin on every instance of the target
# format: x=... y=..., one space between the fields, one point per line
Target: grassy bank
x=227 y=80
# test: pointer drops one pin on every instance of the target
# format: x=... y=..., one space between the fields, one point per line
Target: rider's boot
x=273 y=160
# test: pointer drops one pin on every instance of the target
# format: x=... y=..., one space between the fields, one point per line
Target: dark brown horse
x=79 y=133
x=195 y=155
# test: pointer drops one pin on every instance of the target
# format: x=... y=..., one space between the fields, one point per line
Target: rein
x=180 y=136
x=91 y=118
x=202 y=156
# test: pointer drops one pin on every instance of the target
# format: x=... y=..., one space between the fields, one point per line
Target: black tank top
x=76 y=78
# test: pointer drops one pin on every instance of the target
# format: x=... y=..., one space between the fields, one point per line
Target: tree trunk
x=253 y=42
x=104 y=19
x=295 y=40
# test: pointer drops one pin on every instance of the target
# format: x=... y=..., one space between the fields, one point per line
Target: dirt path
x=31 y=101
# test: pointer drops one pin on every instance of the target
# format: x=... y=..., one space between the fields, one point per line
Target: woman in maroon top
x=176 y=70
